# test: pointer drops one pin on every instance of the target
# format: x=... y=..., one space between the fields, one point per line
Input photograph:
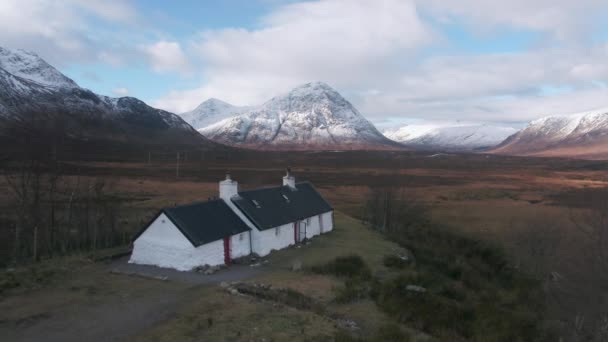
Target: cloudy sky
x=472 y=60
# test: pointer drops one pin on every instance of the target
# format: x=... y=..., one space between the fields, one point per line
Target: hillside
x=581 y=135
x=457 y=137
x=36 y=97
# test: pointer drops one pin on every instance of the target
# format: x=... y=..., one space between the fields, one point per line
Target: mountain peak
x=212 y=101
x=314 y=88
x=30 y=66
x=310 y=116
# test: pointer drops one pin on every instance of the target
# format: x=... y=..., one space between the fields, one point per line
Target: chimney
x=228 y=188
x=289 y=179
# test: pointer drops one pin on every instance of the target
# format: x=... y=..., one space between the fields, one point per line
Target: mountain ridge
x=32 y=91
x=464 y=137
x=578 y=135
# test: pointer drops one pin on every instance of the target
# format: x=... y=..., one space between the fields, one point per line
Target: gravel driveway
x=232 y=273
x=134 y=303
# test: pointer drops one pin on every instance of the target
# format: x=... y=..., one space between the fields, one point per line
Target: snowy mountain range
x=311 y=116
x=32 y=91
x=581 y=135
x=450 y=137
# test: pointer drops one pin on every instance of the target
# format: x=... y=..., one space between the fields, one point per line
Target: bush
x=354 y=289
x=394 y=261
x=351 y=266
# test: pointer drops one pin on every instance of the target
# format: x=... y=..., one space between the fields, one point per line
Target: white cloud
x=165 y=56
x=342 y=42
x=62 y=31
x=565 y=20
x=370 y=52
x=121 y=91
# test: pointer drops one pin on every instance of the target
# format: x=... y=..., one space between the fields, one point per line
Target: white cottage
x=237 y=224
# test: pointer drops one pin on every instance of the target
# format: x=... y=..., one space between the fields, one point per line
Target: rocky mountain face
x=450 y=137
x=581 y=135
x=312 y=116
x=33 y=93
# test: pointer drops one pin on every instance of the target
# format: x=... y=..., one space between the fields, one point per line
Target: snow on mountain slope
x=582 y=134
x=29 y=66
x=33 y=92
x=458 y=137
x=211 y=112
x=311 y=116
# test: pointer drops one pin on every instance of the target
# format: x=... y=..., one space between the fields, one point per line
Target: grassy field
x=517 y=204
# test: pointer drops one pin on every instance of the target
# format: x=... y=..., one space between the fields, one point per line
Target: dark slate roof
x=204 y=222
x=268 y=208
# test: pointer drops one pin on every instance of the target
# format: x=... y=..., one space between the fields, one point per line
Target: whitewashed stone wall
x=328 y=221
x=162 y=244
x=240 y=245
x=312 y=227
x=265 y=241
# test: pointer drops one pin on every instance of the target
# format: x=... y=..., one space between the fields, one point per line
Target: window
x=277 y=231
x=241 y=236
x=256 y=203
x=308 y=221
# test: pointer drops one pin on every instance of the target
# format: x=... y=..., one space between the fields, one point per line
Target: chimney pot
x=289 y=179
x=228 y=188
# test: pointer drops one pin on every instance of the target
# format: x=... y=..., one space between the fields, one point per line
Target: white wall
x=312 y=227
x=240 y=245
x=162 y=244
x=328 y=221
x=267 y=240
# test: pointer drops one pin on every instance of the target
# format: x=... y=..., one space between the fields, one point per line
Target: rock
x=211 y=269
x=415 y=288
x=233 y=291
x=296 y=266
x=555 y=276
x=346 y=323
x=224 y=285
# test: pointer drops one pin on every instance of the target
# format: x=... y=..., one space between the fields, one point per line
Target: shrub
x=394 y=261
x=351 y=266
x=354 y=289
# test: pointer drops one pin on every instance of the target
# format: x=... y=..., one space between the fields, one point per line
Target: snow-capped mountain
x=210 y=112
x=311 y=116
x=452 y=137
x=28 y=65
x=32 y=91
x=582 y=135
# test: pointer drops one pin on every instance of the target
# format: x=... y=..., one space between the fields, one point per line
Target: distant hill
x=450 y=137
x=581 y=135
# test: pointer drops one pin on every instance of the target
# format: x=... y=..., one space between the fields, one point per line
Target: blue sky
x=396 y=60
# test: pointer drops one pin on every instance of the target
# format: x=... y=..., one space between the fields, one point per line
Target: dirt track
x=82 y=309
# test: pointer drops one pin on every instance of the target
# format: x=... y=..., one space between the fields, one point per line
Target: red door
x=227 y=258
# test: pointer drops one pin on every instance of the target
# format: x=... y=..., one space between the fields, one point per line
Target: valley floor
x=527 y=206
